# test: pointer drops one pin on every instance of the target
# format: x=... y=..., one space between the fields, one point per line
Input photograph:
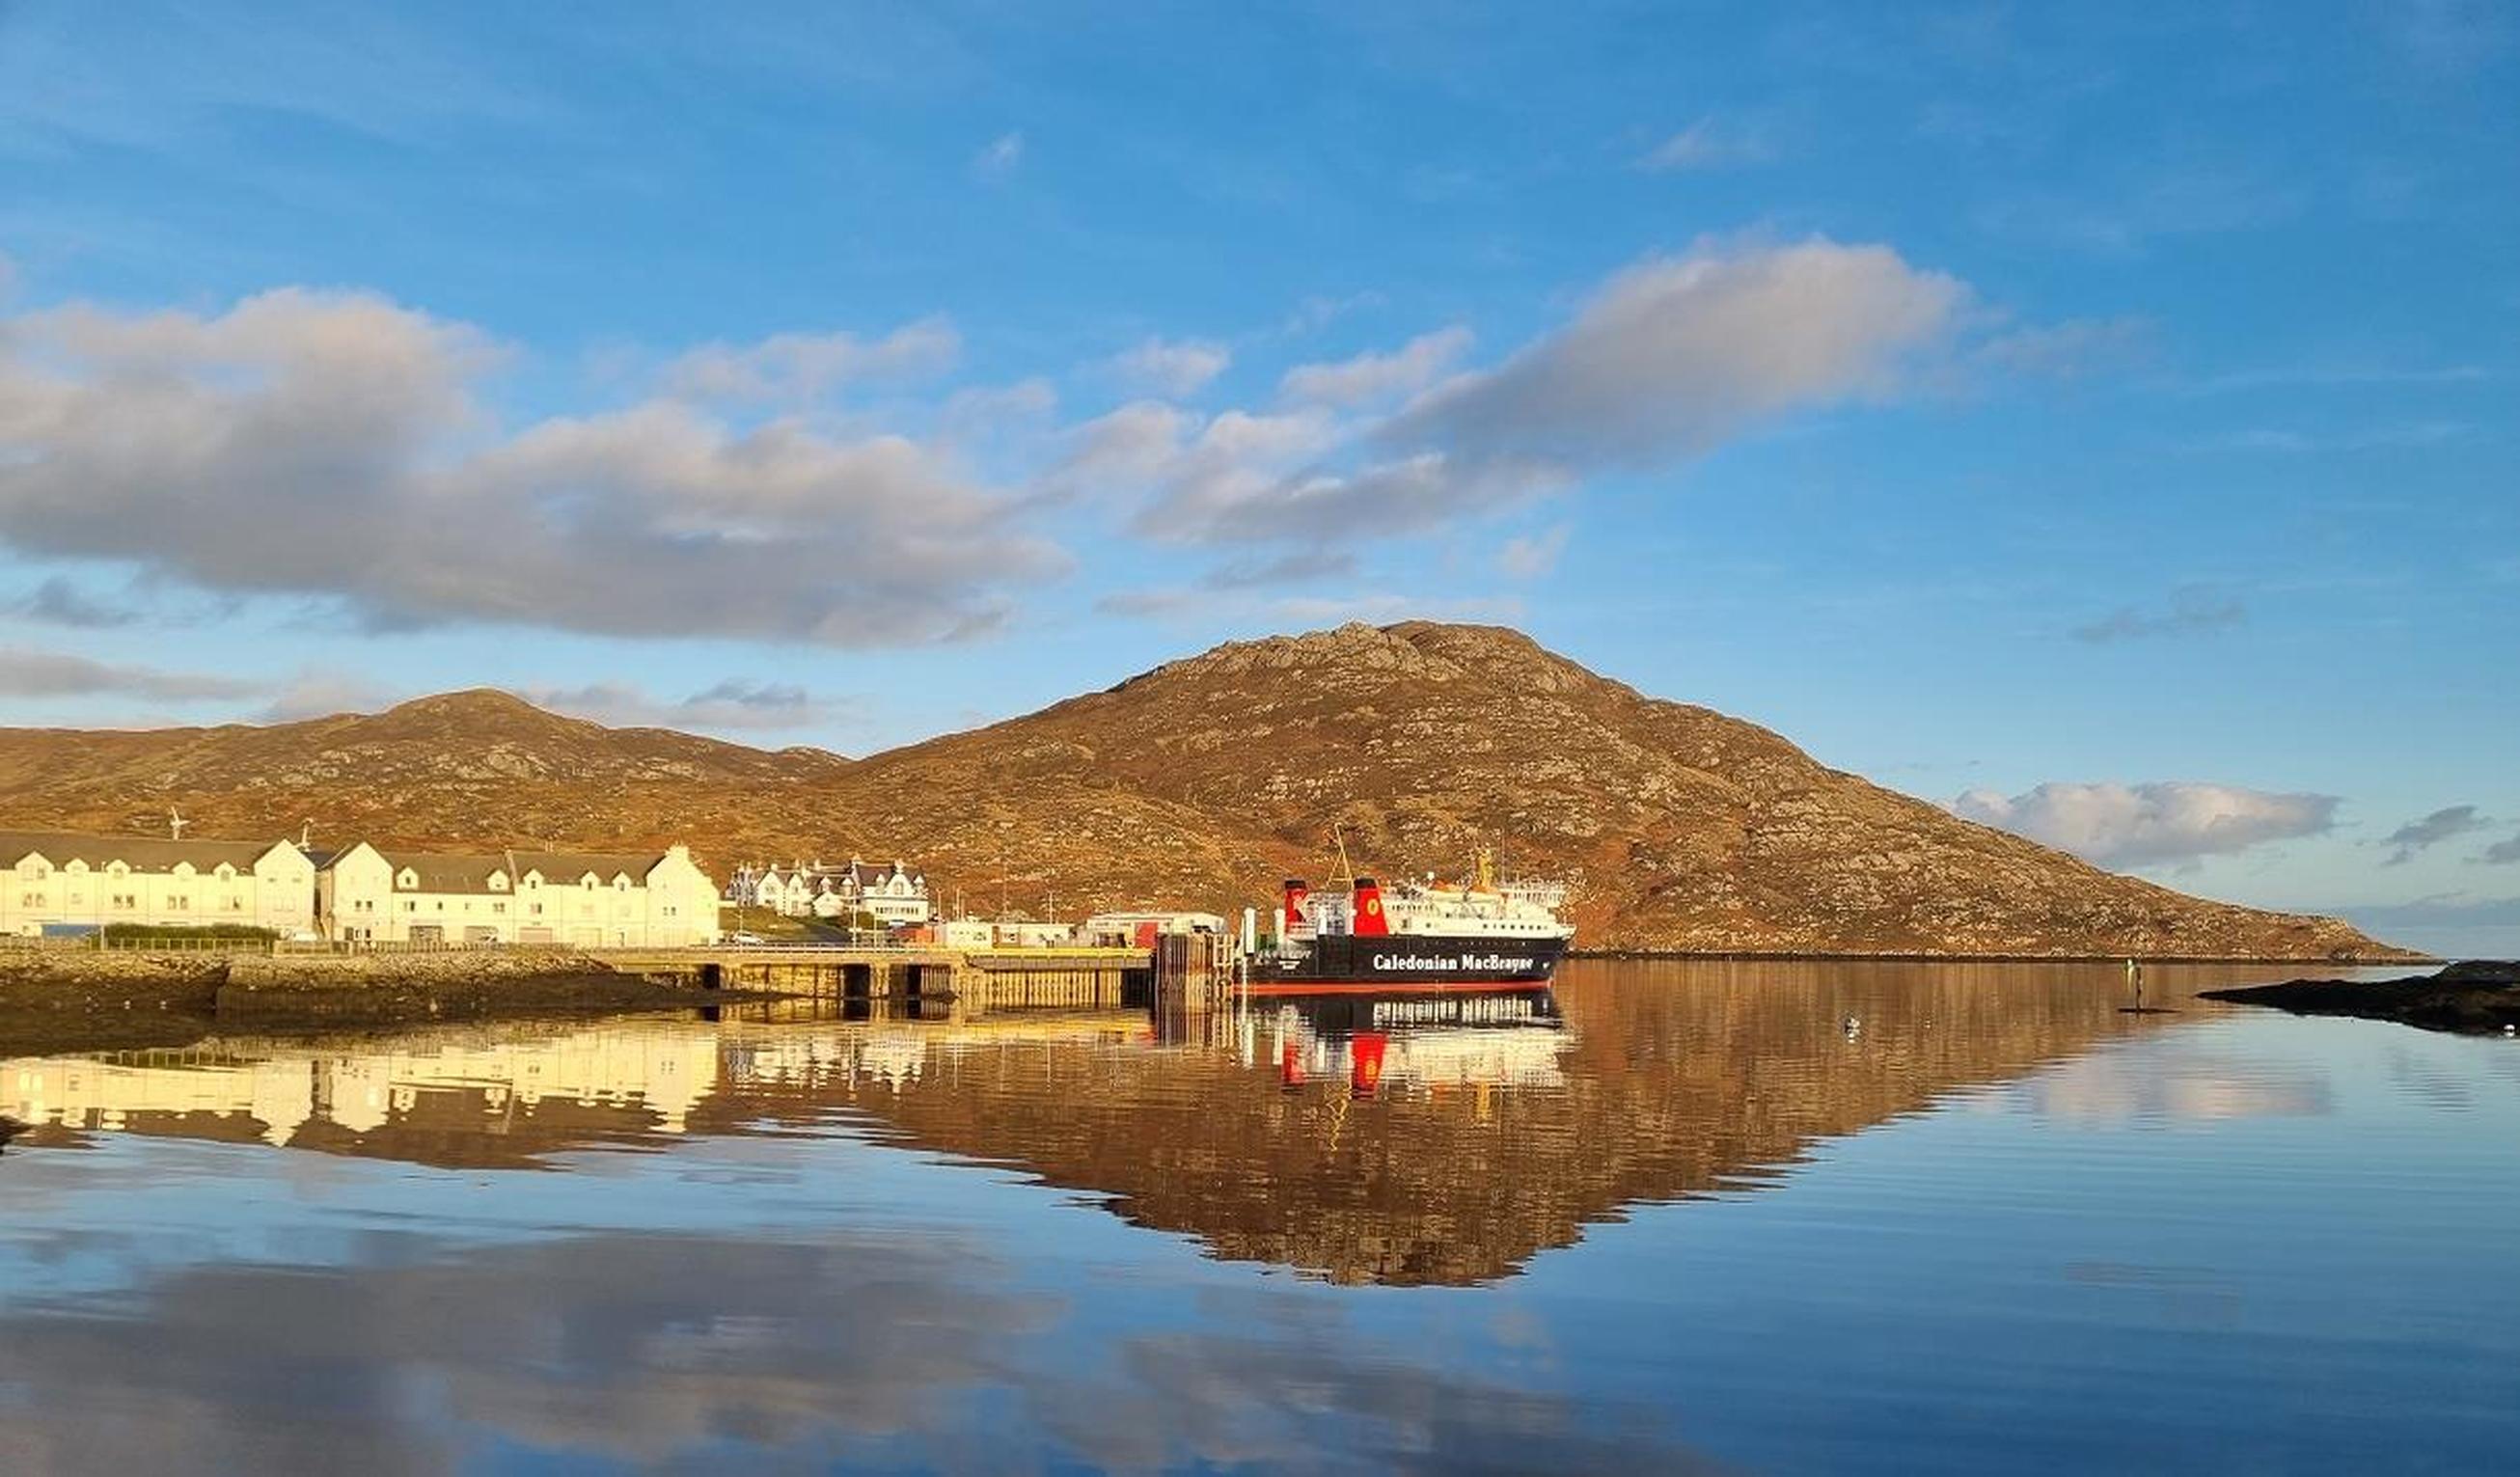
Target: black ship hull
x=1408 y=962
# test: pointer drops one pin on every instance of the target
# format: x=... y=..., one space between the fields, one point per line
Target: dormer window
x=622 y=885
x=118 y=868
x=226 y=872
x=407 y=879
x=498 y=881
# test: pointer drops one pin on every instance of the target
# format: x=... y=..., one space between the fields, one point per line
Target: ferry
x=1415 y=937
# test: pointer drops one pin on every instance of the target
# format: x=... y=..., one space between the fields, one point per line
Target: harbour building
x=62 y=882
x=896 y=895
x=370 y=894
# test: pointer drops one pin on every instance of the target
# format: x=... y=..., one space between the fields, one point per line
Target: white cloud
x=1369 y=378
x=802 y=368
x=984 y=412
x=1173 y=367
x=331 y=445
x=730 y=704
x=323 y=692
x=2150 y=824
x=26 y=672
x=2446 y=824
x=1530 y=556
x=1667 y=360
x=998 y=157
x=1675 y=355
x=1708 y=145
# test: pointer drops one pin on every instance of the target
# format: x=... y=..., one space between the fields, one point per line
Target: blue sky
x=2102 y=411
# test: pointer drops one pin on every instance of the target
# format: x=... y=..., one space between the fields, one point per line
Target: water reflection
x=648 y=1349
x=1940 y=1219
x=2175 y=1085
x=1437 y=1139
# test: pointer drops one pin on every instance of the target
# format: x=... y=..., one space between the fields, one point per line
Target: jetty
x=1182 y=971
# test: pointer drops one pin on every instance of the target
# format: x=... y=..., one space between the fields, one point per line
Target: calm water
x=1708 y=1217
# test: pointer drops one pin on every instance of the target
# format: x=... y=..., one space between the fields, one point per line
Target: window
x=537 y=910
x=179 y=904
x=411 y=904
x=498 y=908
x=127 y=900
x=235 y=904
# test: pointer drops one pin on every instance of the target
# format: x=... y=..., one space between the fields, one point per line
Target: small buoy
x=1853 y=1028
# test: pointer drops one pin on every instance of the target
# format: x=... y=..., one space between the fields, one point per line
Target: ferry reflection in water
x=1503 y=1038
x=1978 y=1206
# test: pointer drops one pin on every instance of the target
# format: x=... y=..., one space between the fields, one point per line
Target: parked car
x=742 y=937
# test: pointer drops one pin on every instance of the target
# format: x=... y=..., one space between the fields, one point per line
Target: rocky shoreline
x=2478 y=996
x=54 y=1001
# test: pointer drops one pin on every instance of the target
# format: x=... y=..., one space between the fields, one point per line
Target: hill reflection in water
x=1406 y=1143
x=1817 y=1217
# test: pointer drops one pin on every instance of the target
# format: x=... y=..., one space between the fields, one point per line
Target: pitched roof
x=449 y=872
x=569 y=865
x=139 y=853
x=470 y=871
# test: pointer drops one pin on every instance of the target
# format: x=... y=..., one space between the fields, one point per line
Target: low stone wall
x=422 y=985
x=52 y=996
x=70 y=979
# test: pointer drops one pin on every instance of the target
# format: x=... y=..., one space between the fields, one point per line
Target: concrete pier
x=963 y=983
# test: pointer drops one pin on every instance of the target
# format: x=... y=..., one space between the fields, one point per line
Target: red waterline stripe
x=1389 y=986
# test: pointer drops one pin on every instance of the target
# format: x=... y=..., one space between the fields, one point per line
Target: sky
x=2098 y=419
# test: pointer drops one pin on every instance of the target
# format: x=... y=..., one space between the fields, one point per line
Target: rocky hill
x=1202 y=783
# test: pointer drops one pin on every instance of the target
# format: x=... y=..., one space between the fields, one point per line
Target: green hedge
x=125 y=933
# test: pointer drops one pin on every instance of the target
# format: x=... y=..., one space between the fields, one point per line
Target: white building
x=62 y=881
x=895 y=895
x=1139 y=930
x=582 y=898
x=984 y=933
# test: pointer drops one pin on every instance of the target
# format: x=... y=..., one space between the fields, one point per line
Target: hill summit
x=1204 y=781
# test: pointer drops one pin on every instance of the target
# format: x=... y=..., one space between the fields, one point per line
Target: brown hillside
x=1203 y=780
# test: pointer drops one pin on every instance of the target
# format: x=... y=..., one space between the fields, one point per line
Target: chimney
x=1290 y=912
x=1370 y=921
